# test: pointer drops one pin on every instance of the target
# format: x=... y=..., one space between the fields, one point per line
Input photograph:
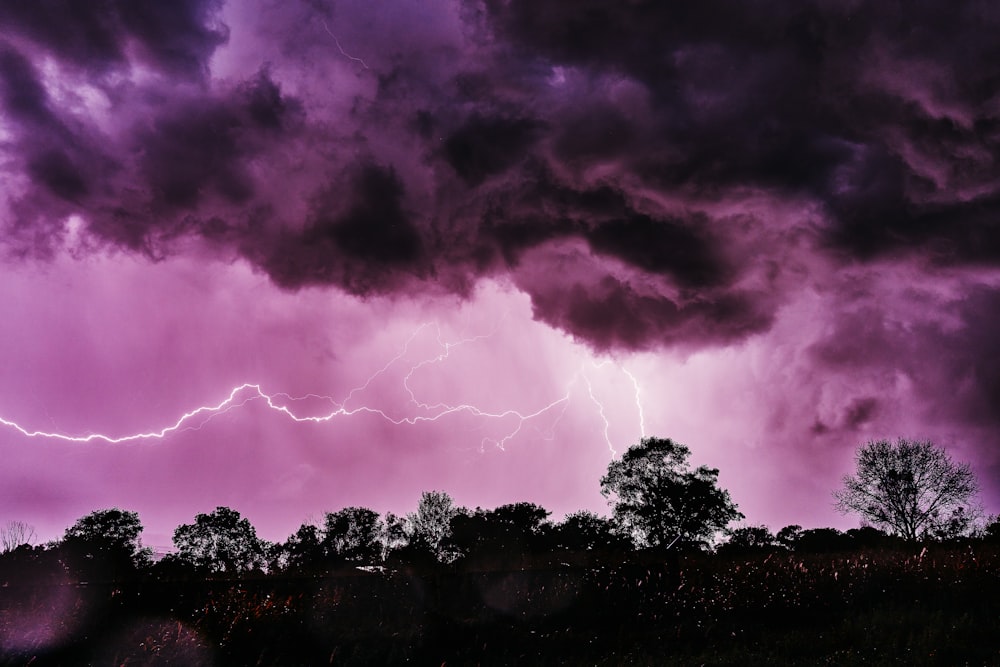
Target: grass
x=940 y=606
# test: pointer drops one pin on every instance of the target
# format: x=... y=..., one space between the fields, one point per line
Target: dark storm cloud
x=393 y=151
x=52 y=153
x=948 y=355
x=369 y=246
x=667 y=246
x=884 y=113
x=482 y=147
x=612 y=314
x=205 y=146
x=176 y=36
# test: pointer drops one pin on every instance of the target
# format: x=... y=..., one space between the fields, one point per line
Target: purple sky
x=513 y=236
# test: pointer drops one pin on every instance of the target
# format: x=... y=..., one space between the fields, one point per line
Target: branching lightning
x=420 y=410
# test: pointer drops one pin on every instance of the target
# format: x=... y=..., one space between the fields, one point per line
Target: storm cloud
x=496 y=129
x=808 y=191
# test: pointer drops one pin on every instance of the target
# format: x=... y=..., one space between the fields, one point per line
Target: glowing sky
x=494 y=242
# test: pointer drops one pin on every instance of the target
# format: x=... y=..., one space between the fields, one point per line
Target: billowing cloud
x=658 y=177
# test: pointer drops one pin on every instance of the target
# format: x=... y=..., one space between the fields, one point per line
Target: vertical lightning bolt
x=638 y=401
x=420 y=410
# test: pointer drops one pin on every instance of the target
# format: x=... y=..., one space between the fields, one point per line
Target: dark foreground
x=939 y=606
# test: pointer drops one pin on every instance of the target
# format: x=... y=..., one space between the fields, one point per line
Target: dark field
x=933 y=606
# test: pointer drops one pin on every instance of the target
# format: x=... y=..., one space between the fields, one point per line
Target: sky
x=485 y=246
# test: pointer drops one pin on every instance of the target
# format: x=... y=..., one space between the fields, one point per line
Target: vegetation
x=508 y=586
x=659 y=499
x=911 y=488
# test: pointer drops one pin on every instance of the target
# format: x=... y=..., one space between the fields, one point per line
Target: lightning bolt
x=638 y=401
x=340 y=48
x=281 y=402
x=600 y=409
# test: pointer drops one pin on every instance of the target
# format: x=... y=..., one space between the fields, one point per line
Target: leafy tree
x=659 y=499
x=106 y=541
x=909 y=488
x=822 y=540
x=991 y=532
x=394 y=536
x=499 y=536
x=430 y=525
x=789 y=535
x=14 y=534
x=869 y=537
x=222 y=542
x=302 y=551
x=585 y=531
x=353 y=535
x=747 y=539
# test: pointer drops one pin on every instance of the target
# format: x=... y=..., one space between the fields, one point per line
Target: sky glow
x=289 y=257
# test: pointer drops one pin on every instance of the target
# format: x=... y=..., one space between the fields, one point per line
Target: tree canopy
x=657 y=498
x=430 y=525
x=109 y=533
x=222 y=541
x=910 y=488
x=353 y=535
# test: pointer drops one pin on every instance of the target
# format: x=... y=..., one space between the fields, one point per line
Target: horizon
x=479 y=248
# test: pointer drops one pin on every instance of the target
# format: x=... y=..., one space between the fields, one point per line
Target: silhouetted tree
x=353 y=535
x=301 y=552
x=430 y=525
x=15 y=533
x=220 y=542
x=394 y=534
x=748 y=539
x=35 y=565
x=822 y=540
x=104 y=544
x=789 y=535
x=499 y=537
x=659 y=499
x=584 y=532
x=869 y=537
x=910 y=488
x=991 y=532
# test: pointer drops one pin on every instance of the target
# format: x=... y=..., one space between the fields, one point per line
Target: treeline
x=105 y=546
x=496 y=587
x=658 y=502
x=664 y=580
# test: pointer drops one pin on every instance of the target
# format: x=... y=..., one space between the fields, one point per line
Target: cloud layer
x=656 y=177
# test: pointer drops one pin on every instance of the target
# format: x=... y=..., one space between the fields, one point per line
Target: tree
x=301 y=552
x=789 y=535
x=111 y=534
x=991 y=532
x=657 y=498
x=222 y=541
x=822 y=540
x=749 y=539
x=353 y=535
x=585 y=531
x=910 y=488
x=430 y=525
x=15 y=533
x=502 y=536
x=394 y=537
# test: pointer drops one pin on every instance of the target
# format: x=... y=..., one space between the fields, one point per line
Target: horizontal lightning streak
x=245 y=393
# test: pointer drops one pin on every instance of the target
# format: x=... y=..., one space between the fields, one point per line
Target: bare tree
x=15 y=533
x=910 y=488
